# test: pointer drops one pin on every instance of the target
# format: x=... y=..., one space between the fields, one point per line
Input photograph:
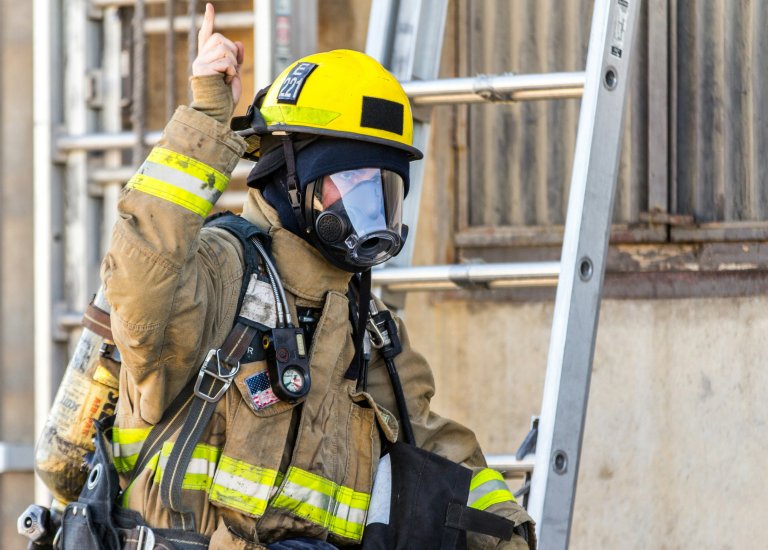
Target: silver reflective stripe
x=125 y=450
x=243 y=486
x=381 y=496
x=182 y=180
x=324 y=502
x=200 y=466
x=307 y=496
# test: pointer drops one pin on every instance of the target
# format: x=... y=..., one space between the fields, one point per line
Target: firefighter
x=333 y=135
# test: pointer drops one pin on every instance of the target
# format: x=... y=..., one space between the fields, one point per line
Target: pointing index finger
x=206 y=30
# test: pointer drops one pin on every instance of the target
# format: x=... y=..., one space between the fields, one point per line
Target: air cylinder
x=88 y=393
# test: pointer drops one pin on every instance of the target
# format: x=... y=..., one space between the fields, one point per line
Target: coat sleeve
x=449 y=439
x=170 y=285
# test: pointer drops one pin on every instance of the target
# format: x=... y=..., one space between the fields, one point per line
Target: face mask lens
x=358 y=214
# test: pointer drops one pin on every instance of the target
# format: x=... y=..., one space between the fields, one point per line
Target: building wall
x=672 y=454
x=16 y=266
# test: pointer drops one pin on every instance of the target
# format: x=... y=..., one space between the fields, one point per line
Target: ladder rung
x=451 y=277
x=102 y=141
x=505 y=87
x=509 y=87
x=124 y=173
x=16 y=457
x=509 y=464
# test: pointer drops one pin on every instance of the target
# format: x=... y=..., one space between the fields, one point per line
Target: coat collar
x=303 y=270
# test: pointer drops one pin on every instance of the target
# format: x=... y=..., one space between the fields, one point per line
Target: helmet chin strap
x=292 y=181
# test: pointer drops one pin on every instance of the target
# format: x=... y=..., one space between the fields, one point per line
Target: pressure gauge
x=293 y=380
x=287 y=363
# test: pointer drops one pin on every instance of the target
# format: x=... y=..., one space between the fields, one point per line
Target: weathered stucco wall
x=673 y=452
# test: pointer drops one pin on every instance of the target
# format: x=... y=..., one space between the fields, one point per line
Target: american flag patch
x=260 y=390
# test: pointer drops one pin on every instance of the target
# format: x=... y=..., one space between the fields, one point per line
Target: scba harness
x=410 y=483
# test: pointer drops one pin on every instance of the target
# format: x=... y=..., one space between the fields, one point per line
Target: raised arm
x=165 y=283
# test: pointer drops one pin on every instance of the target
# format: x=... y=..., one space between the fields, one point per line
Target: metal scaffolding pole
x=102 y=141
x=451 y=277
x=407 y=37
x=224 y=21
x=430 y=278
x=78 y=213
x=111 y=119
x=170 y=57
x=138 y=79
x=46 y=181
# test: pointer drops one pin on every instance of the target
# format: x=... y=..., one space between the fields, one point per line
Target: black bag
x=427 y=504
x=96 y=522
x=86 y=524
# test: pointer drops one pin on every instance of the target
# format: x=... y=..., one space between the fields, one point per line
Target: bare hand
x=217 y=54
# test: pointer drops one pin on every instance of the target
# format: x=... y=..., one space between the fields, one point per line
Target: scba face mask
x=357 y=216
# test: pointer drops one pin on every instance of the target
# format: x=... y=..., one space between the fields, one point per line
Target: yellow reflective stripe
x=126 y=445
x=488 y=488
x=125 y=436
x=180 y=179
x=339 y=509
x=277 y=114
x=484 y=475
x=171 y=193
x=242 y=486
x=189 y=166
x=201 y=468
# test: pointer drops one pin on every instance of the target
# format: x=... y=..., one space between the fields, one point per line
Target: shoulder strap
x=244 y=231
x=213 y=380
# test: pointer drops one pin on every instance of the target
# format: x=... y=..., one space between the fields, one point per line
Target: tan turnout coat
x=173 y=288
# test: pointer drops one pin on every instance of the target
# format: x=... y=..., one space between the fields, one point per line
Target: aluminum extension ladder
x=406 y=36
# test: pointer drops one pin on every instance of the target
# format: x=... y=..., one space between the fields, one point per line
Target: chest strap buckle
x=220 y=373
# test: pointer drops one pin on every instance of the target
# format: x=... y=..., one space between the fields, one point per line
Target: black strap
x=211 y=383
x=465 y=518
x=362 y=322
x=292 y=180
x=172 y=420
x=244 y=231
x=402 y=408
x=359 y=297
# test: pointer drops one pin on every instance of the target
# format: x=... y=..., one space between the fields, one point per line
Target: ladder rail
x=579 y=291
